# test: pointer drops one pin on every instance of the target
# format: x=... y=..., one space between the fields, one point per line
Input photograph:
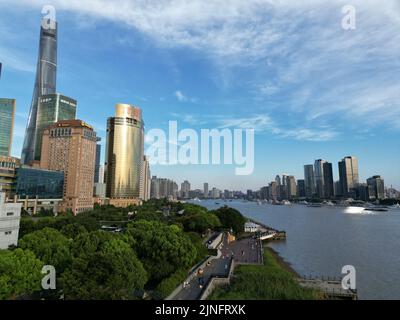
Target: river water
x=320 y=241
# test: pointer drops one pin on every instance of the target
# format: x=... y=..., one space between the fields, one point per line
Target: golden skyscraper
x=70 y=146
x=124 y=155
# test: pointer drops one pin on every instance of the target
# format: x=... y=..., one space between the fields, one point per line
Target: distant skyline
x=310 y=89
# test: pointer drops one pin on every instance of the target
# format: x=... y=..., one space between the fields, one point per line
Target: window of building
x=9 y=214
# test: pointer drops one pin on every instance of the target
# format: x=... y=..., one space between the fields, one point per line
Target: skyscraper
x=301 y=188
x=124 y=155
x=205 y=190
x=376 y=186
x=319 y=177
x=292 y=187
x=185 y=189
x=7 y=114
x=328 y=180
x=278 y=187
x=45 y=83
x=145 y=180
x=97 y=178
x=70 y=146
x=348 y=175
x=155 y=188
x=309 y=180
x=51 y=108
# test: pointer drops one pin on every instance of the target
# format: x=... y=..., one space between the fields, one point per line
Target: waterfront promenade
x=245 y=251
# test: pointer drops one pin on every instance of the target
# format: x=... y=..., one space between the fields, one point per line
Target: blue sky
x=286 y=68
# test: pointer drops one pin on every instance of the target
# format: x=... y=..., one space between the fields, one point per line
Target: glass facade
x=51 y=109
x=124 y=153
x=7 y=113
x=97 y=163
x=32 y=182
x=45 y=83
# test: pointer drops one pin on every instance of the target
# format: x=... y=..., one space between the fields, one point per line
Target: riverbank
x=274 y=280
x=282 y=262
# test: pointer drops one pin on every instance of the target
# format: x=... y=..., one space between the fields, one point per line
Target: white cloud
x=183 y=98
x=15 y=61
x=264 y=123
x=180 y=96
x=321 y=69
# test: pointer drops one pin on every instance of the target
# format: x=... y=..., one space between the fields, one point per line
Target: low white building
x=251 y=227
x=10 y=216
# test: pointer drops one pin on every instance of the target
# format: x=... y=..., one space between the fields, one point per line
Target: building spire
x=45 y=83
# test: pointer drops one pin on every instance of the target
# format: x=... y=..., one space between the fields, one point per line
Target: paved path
x=244 y=251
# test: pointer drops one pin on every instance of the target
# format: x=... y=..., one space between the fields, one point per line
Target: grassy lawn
x=268 y=282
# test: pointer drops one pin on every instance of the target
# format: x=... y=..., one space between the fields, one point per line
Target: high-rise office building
x=328 y=180
x=301 y=188
x=145 y=180
x=124 y=155
x=185 y=189
x=376 y=187
x=348 y=174
x=338 y=189
x=215 y=193
x=309 y=180
x=155 y=188
x=51 y=108
x=97 y=166
x=7 y=115
x=163 y=188
x=70 y=146
x=45 y=83
x=273 y=191
x=319 y=177
x=291 y=187
x=205 y=190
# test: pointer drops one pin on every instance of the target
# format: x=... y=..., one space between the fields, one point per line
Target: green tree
x=73 y=230
x=200 y=222
x=20 y=273
x=104 y=267
x=50 y=246
x=162 y=248
x=231 y=219
x=149 y=216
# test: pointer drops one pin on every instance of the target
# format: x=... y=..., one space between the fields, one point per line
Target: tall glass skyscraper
x=51 y=109
x=45 y=83
x=309 y=180
x=124 y=155
x=328 y=180
x=7 y=114
x=97 y=162
x=319 y=177
x=348 y=173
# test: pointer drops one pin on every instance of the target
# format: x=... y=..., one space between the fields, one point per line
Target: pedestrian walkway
x=245 y=251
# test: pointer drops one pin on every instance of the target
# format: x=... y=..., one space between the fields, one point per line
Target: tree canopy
x=104 y=267
x=162 y=248
x=50 y=246
x=20 y=273
x=231 y=218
